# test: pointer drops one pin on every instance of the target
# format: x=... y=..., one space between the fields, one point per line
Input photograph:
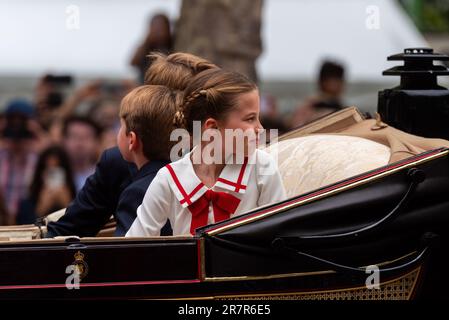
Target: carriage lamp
x=418 y=105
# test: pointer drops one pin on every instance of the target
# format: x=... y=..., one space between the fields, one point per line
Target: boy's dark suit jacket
x=116 y=188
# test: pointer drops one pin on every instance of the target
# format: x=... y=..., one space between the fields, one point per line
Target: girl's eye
x=250 y=119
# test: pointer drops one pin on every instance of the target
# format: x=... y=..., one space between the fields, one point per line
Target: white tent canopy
x=39 y=36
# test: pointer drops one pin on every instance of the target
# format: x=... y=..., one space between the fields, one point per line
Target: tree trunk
x=227 y=32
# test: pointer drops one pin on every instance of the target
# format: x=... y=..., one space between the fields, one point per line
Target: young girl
x=193 y=191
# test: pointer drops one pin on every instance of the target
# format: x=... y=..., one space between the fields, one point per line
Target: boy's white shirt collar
x=234 y=178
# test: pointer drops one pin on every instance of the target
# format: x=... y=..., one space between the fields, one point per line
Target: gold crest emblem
x=80 y=264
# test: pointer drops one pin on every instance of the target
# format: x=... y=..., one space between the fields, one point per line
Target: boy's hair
x=175 y=70
x=148 y=111
x=211 y=93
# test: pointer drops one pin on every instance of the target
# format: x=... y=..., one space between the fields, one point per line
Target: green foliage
x=428 y=15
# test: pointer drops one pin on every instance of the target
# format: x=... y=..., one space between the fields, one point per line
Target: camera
x=58 y=83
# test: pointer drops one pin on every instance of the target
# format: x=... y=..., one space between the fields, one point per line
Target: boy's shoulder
x=143 y=178
x=112 y=160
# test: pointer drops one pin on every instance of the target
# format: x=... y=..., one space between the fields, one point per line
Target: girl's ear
x=210 y=123
x=133 y=141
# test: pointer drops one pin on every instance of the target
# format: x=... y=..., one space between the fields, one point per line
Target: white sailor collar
x=188 y=188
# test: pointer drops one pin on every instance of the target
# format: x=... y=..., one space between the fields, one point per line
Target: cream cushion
x=311 y=162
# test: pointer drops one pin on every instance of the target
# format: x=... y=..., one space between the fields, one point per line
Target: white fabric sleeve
x=152 y=214
x=271 y=188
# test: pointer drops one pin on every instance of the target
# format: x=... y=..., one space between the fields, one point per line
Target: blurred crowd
x=50 y=145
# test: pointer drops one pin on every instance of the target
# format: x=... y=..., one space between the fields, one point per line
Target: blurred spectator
x=331 y=86
x=88 y=94
x=21 y=139
x=97 y=100
x=269 y=116
x=81 y=140
x=52 y=187
x=158 y=38
x=49 y=97
x=105 y=114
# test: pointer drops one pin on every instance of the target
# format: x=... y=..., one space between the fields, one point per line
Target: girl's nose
x=259 y=127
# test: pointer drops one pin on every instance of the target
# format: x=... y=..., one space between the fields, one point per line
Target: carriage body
x=321 y=244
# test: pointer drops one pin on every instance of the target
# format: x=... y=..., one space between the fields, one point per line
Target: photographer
x=52 y=187
x=21 y=139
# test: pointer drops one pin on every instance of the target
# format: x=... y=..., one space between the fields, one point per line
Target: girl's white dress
x=177 y=194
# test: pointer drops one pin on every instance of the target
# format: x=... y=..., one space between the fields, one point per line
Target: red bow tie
x=223 y=204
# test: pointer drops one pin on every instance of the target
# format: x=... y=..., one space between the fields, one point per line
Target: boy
x=146 y=117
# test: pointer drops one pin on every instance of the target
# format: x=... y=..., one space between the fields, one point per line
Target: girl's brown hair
x=211 y=94
x=148 y=111
x=175 y=70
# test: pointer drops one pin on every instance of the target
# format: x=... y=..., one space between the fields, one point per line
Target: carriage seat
x=310 y=162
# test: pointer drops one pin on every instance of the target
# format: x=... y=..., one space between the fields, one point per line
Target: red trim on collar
x=242 y=172
x=178 y=184
x=181 y=189
x=197 y=188
x=237 y=186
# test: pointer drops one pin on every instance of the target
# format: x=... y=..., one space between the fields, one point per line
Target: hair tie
x=203 y=92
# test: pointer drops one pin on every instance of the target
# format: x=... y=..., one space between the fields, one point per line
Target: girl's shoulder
x=265 y=163
x=262 y=157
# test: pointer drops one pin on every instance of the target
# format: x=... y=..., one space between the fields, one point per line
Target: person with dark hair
x=332 y=81
x=51 y=189
x=81 y=138
x=331 y=86
x=158 y=39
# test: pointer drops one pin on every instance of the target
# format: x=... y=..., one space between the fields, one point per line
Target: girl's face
x=243 y=122
x=52 y=162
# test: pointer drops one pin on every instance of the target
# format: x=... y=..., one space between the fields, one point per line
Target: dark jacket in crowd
x=116 y=188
